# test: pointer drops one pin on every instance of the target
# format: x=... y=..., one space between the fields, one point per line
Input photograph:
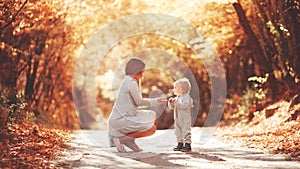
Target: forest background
x=257 y=42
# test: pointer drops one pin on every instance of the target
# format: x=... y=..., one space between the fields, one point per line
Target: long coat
x=126 y=117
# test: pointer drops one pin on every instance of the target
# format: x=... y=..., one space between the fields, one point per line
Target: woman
x=126 y=122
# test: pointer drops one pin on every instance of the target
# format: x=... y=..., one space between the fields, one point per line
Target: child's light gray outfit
x=182 y=117
x=125 y=117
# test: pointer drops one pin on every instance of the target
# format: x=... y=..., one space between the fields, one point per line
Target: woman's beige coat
x=125 y=117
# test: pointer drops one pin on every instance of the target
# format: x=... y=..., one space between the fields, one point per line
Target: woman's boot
x=130 y=143
x=119 y=146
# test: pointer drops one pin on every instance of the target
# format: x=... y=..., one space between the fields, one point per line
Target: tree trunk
x=31 y=79
x=292 y=11
x=259 y=56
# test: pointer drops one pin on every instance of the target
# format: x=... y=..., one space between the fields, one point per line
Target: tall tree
x=273 y=34
x=36 y=43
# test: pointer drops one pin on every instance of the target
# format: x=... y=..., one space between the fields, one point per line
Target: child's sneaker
x=179 y=147
x=187 y=147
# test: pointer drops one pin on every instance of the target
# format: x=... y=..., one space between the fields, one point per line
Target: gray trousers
x=183 y=127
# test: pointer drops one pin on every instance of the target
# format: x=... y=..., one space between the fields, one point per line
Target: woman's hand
x=162 y=100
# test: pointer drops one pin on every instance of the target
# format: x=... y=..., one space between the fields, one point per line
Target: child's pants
x=183 y=129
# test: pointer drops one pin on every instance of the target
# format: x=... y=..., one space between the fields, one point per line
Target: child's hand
x=171 y=100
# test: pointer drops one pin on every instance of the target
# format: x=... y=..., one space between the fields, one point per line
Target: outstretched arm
x=136 y=95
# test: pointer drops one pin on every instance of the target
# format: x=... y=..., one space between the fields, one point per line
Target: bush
x=11 y=112
x=253 y=97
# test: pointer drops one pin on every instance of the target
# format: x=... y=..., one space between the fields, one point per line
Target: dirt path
x=89 y=149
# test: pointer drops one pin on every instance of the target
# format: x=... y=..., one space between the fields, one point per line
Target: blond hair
x=184 y=84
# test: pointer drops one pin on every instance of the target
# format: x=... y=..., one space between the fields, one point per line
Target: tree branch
x=14 y=16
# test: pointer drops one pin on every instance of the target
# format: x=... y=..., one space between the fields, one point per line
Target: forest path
x=90 y=149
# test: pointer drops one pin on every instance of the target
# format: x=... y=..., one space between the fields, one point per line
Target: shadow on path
x=246 y=154
x=84 y=152
x=158 y=160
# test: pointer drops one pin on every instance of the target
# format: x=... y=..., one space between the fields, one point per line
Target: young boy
x=182 y=104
